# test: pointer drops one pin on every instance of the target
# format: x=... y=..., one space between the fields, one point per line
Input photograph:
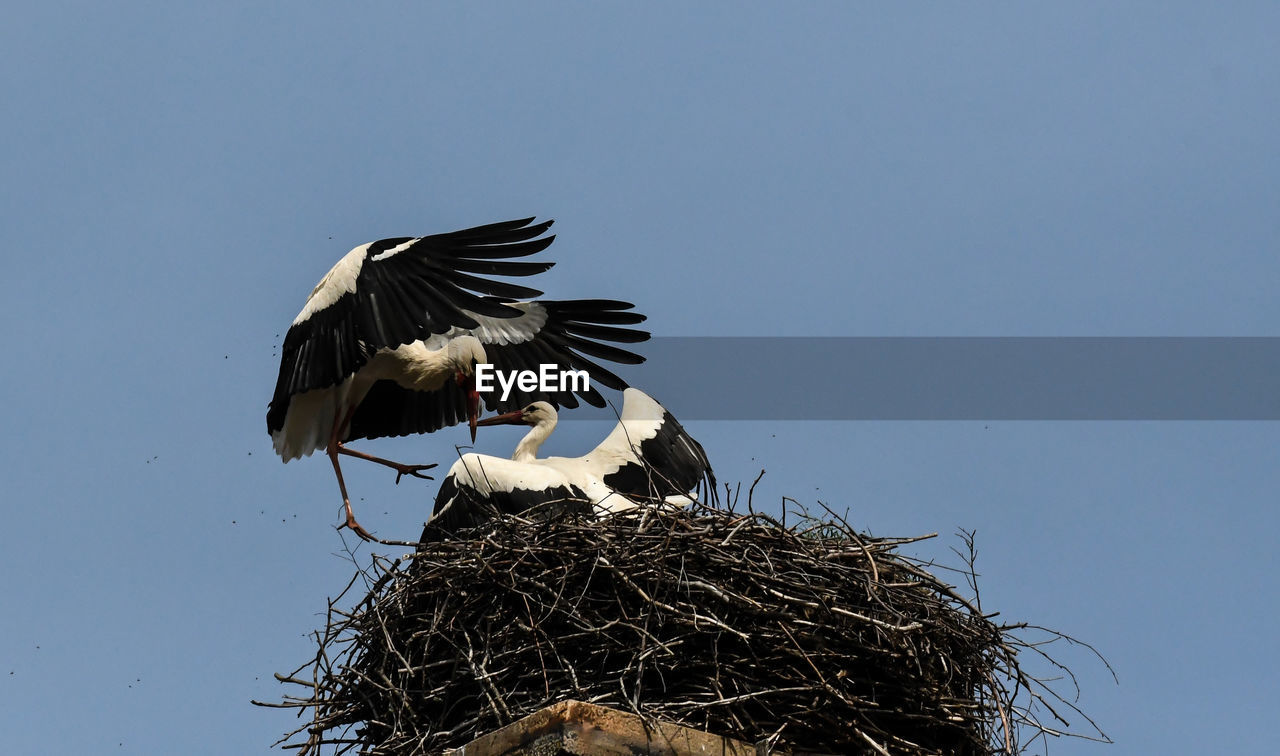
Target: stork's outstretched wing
x=396 y=291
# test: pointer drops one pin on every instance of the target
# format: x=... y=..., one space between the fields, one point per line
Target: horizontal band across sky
x=1025 y=378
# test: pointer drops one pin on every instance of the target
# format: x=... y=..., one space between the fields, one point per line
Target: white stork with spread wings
x=388 y=341
x=648 y=457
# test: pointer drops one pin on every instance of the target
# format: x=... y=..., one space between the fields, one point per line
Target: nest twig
x=811 y=636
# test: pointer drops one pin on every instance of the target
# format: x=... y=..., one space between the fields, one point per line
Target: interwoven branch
x=814 y=636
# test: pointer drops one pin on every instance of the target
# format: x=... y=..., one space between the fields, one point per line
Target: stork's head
x=463 y=354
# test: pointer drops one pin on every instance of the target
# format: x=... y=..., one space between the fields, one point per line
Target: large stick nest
x=811 y=635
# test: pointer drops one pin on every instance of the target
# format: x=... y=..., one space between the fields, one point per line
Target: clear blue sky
x=177 y=176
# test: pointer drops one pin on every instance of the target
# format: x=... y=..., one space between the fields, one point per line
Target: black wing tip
x=599 y=350
x=513 y=238
x=515 y=224
x=590 y=305
x=602 y=311
x=530 y=268
x=519 y=229
x=543 y=226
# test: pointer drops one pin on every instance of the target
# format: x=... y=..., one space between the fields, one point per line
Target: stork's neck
x=527 y=449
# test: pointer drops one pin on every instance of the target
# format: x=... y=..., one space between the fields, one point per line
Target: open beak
x=508 y=418
x=468 y=384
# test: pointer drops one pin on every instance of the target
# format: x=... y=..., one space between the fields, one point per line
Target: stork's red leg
x=400 y=469
x=332 y=451
x=346 y=501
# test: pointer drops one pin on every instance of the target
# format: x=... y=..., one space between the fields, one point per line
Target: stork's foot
x=401 y=470
x=357 y=528
x=414 y=470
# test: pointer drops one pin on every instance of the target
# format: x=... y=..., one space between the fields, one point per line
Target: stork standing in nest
x=388 y=342
x=648 y=457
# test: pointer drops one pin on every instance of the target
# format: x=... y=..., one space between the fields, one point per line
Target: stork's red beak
x=508 y=418
x=468 y=384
